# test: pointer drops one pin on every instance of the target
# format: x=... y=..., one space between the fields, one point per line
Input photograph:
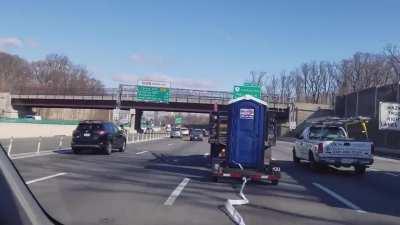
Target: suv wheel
x=123 y=147
x=108 y=149
x=75 y=151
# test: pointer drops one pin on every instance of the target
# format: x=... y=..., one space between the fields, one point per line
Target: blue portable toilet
x=247 y=132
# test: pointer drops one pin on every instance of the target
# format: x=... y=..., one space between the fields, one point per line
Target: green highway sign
x=250 y=84
x=178 y=120
x=247 y=89
x=152 y=94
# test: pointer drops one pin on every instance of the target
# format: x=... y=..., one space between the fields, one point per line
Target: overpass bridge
x=181 y=100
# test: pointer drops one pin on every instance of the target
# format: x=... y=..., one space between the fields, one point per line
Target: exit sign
x=247 y=89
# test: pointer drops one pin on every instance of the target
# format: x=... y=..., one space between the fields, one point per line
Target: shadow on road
x=359 y=189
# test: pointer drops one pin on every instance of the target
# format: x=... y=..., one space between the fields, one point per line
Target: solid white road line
x=35 y=154
x=386 y=159
x=138 y=153
x=45 y=178
x=339 y=198
x=177 y=192
x=392 y=174
x=387 y=173
x=170 y=144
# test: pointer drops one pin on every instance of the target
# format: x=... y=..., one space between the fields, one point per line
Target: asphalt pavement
x=166 y=182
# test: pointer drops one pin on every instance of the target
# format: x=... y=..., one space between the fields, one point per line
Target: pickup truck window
x=328 y=133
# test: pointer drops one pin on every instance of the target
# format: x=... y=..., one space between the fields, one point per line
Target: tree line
x=321 y=81
x=55 y=74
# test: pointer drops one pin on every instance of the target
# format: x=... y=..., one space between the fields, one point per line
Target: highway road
x=166 y=182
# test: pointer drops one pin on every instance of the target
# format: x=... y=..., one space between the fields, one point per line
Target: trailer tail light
x=100 y=132
x=372 y=149
x=222 y=153
x=320 y=148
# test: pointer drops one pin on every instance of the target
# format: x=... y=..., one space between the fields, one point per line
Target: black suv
x=99 y=135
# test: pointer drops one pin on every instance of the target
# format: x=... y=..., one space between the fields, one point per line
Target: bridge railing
x=130 y=93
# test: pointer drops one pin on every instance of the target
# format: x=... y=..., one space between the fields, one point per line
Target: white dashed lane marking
x=171 y=199
x=339 y=198
x=45 y=178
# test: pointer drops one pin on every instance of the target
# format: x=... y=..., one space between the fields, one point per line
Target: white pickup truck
x=330 y=145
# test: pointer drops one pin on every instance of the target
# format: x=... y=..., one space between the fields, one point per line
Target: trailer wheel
x=295 y=158
x=274 y=182
x=360 y=169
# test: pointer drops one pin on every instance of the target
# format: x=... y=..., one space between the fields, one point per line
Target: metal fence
x=366 y=103
x=17 y=147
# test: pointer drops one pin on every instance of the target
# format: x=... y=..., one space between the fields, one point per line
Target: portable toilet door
x=247 y=132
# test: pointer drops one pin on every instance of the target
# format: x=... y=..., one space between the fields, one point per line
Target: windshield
x=196 y=131
x=230 y=110
x=329 y=133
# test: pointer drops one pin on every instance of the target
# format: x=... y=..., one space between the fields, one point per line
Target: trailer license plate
x=347 y=161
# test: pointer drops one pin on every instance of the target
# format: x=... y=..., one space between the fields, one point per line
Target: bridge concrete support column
x=138 y=120
x=6 y=109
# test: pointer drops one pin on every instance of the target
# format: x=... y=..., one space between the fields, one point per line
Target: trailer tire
x=295 y=158
x=274 y=182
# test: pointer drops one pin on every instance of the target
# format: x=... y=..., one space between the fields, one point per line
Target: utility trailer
x=240 y=141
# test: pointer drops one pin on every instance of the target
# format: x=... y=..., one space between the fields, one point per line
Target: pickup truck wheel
x=360 y=169
x=295 y=158
x=314 y=165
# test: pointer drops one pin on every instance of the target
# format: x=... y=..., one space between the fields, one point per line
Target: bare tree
x=56 y=74
x=393 y=53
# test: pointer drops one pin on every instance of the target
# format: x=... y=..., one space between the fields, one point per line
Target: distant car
x=185 y=131
x=32 y=117
x=205 y=133
x=176 y=133
x=196 y=135
x=100 y=135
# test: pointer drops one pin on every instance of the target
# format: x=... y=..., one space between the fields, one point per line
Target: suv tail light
x=372 y=149
x=320 y=148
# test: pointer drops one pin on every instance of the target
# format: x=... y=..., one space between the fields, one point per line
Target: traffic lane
x=33 y=167
x=120 y=180
x=374 y=192
x=201 y=201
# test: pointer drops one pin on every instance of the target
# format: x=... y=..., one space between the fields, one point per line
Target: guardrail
x=37 y=145
x=55 y=122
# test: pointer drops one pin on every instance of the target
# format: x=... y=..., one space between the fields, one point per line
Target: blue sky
x=197 y=44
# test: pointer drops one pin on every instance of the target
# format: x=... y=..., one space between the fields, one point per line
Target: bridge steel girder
x=111 y=104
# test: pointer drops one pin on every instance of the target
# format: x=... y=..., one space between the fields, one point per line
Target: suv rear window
x=89 y=126
x=329 y=133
